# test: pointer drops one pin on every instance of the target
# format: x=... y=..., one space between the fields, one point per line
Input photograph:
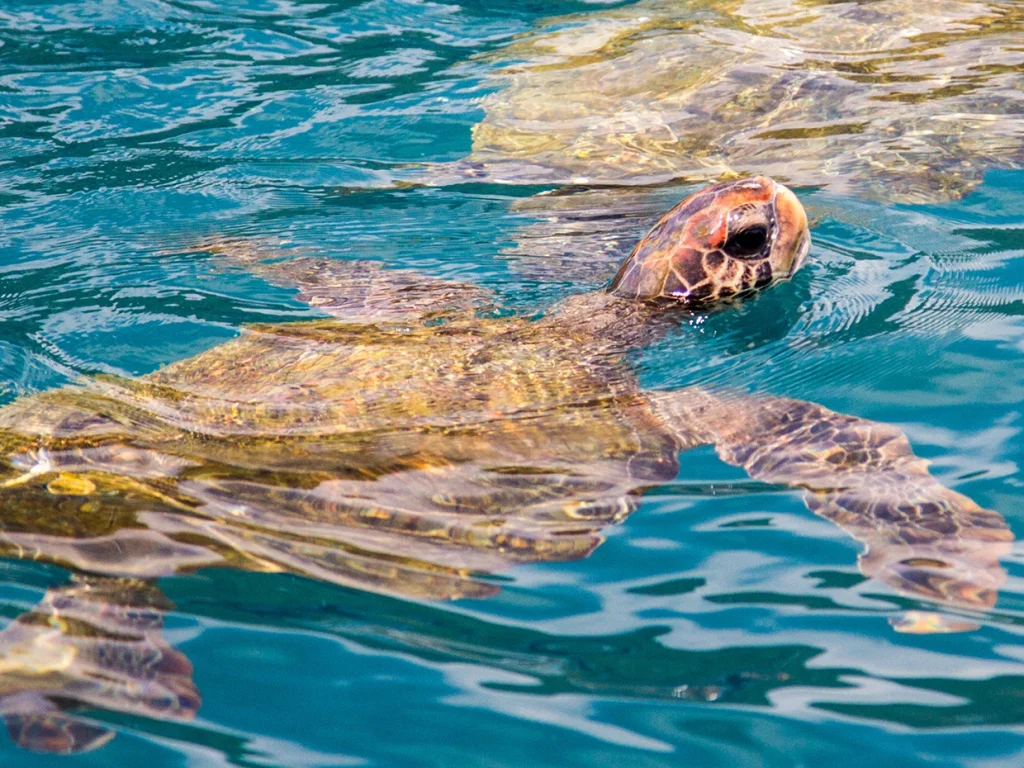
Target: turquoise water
x=721 y=624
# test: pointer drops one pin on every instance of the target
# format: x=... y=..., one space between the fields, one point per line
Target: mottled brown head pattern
x=725 y=240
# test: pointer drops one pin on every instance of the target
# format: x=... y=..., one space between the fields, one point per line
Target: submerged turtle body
x=461 y=442
x=417 y=440
x=895 y=100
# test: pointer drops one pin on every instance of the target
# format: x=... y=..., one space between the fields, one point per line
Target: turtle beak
x=793 y=240
x=802 y=250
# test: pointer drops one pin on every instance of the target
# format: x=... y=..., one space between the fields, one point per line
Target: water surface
x=722 y=623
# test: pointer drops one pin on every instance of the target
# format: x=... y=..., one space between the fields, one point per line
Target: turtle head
x=727 y=239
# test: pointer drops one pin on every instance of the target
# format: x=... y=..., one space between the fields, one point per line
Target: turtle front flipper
x=355 y=291
x=920 y=537
x=94 y=643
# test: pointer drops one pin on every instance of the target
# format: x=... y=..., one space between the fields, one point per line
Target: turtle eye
x=747 y=242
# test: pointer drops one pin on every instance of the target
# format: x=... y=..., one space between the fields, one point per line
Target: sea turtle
x=418 y=438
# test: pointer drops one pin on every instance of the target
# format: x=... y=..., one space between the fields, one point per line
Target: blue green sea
x=721 y=624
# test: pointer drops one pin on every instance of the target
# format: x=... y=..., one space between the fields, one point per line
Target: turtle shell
x=400 y=457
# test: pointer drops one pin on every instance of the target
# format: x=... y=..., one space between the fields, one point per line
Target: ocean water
x=721 y=624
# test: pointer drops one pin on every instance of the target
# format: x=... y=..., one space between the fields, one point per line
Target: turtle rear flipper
x=37 y=724
x=356 y=291
x=94 y=643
